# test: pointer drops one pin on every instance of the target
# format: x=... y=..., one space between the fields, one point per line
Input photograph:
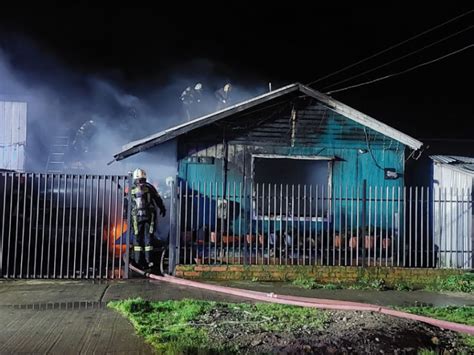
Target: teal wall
x=339 y=138
x=348 y=169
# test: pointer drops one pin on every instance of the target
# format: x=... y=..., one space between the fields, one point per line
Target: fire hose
x=308 y=302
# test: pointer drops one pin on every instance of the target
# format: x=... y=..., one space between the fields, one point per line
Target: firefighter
x=84 y=135
x=191 y=99
x=145 y=200
x=223 y=96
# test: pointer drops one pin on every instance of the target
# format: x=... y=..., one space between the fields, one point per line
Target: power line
x=402 y=72
x=400 y=58
x=391 y=47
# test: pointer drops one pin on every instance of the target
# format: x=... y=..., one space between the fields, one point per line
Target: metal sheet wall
x=13 y=126
x=453 y=218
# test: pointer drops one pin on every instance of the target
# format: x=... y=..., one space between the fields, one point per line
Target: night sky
x=277 y=43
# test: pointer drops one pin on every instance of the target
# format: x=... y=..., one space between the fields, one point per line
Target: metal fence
x=322 y=225
x=63 y=226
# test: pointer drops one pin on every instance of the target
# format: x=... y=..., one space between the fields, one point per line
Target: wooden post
x=173 y=229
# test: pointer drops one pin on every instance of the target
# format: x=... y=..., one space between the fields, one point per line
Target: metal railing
x=63 y=226
x=319 y=225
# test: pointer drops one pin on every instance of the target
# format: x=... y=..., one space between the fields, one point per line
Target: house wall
x=325 y=134
x=334 y=138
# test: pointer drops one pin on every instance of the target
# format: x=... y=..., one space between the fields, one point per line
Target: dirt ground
x=343 y=333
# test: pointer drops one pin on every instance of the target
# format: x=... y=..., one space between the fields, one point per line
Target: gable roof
x=334 y=105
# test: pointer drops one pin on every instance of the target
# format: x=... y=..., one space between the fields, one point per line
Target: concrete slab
x=53 y=331
x=160 y=291
x=49 y=291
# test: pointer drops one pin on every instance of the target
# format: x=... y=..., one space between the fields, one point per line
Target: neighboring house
x=453 y=182
x=13 y=126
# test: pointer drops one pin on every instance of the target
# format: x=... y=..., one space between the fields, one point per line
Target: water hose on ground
x=308 y=302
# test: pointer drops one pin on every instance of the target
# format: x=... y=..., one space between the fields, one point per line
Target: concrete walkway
x=40 y=316
x=382 y=298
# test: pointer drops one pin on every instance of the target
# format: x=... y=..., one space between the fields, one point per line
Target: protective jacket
x=144 y=198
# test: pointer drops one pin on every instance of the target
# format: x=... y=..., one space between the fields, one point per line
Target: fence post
x=172 y=237
x=471 y=226
x=245 y=213
x=129 y=224
x=364 y=214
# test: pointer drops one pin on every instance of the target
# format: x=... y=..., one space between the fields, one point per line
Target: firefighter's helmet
x=139 y=174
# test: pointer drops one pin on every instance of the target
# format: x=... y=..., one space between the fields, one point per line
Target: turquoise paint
x=349 y=170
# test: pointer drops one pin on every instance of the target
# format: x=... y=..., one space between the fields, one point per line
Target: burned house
x=296 y=177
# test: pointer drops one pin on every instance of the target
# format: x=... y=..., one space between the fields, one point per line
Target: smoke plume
x=60 y=100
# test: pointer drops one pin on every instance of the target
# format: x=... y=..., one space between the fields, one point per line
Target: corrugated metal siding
x=13 y=124
x=455 y=220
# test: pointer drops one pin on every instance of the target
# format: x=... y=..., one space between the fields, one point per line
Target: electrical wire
x=370 y=150
x=391 y=47
x=401 y=72
x=400 y=58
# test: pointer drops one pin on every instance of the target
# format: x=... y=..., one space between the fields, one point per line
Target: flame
x=116 y=232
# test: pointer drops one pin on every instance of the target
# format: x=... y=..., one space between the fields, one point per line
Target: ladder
x=57 y=154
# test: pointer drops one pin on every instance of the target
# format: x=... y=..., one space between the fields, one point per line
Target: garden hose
x=308 y=302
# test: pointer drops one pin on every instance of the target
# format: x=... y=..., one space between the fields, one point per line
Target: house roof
x=334 y=105
x=462 y=164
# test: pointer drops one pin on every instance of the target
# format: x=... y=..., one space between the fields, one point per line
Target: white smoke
x=60 y=100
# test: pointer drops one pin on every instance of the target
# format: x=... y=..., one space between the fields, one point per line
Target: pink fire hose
x=308 y=302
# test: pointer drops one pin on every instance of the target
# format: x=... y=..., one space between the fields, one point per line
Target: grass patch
x=454 y=283
x=462 y=314
x=165 y=325
x=368 y=284
x=190 y=326
x=306 y=283
x=403 y=286
x=309 y=284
